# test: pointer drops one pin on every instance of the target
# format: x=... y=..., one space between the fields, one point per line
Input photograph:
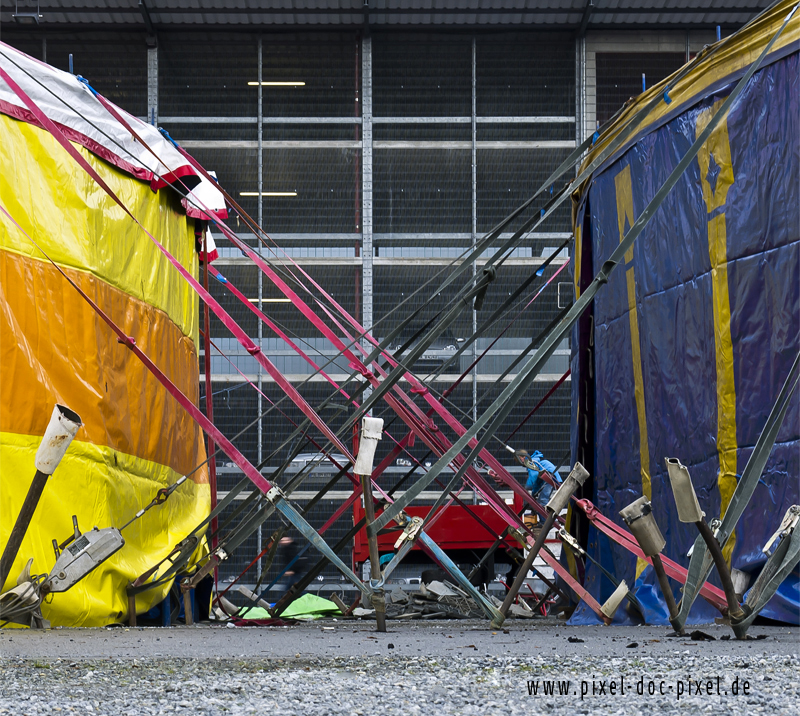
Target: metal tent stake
x=21 y=525
x=669 y=597
x=64 y=424
x=640 y=520
x=559 y=500
x=689 y=511
x=524 y=569
x=734 y=610
x=378 y=598
x=371 y=432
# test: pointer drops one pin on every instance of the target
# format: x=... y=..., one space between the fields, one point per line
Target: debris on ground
x=437 y=600
x=698 y=635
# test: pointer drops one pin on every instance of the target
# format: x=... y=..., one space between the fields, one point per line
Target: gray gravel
x=343 y=667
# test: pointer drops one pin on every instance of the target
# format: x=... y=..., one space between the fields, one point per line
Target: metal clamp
x=275 y=495
x=788 y=525
x=519 y=534
x=566 y=537
x=715 y=526
x=410 y=533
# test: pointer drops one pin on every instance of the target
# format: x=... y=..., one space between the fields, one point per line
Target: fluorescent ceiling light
x=269 y=300
x=277 y=84
x=27 y=18
x=268 y=193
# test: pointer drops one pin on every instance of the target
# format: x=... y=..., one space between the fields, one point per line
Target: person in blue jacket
x=536 y=464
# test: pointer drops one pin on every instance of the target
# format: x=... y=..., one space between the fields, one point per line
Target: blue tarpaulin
x=684 y=352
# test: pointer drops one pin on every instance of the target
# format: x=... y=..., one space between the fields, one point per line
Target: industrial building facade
x=374 y=157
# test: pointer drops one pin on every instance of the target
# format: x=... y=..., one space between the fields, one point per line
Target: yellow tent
x=136 y=438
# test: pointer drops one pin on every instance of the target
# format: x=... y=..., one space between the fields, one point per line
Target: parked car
x=305 y=457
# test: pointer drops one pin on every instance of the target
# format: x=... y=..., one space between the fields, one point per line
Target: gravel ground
x=450 y=668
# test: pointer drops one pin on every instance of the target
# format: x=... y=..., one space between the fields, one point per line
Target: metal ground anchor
x=557 y=502
x=64 y=424
x=371 y=433
x=778 y=566
x=641 y=522
x=689 y=511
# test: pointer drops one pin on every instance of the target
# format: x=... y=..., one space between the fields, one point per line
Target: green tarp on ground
x=309 y=606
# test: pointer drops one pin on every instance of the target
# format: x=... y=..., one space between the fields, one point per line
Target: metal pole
x=152 y=85
x=584 y=110
x=579 y=89
x=378 y=599
x=260 y=429
x=21 y=525
x=474 y=240
x=525 y=568
x=734 y=610
x=666 y=590
x=212 y=465
x=61 y=430
x=366 y=190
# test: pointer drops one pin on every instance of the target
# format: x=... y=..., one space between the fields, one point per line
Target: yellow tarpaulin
x=53 y=348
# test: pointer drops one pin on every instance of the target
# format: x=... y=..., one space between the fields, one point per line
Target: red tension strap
x=226 y=319
x=417 y=387
x=540 y=403
x=508 y=325
x=184 y=401
x=314 y=318
x=262 y=316
x=714 y=596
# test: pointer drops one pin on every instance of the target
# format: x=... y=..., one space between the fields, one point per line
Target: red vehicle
x=465 y=537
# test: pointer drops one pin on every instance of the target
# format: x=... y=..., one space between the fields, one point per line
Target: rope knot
x=362 y=370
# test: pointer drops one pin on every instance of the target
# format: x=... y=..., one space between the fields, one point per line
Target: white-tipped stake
x=639 y=518
x=574 y=480
x=371 y=432
x=683 y=490
x=64 y=425
x=612 y=603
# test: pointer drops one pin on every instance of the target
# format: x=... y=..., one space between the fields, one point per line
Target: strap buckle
x=567 y=538
x=410 y=533
x=788 y=525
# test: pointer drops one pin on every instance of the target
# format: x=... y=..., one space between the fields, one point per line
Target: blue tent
x=684 y=352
